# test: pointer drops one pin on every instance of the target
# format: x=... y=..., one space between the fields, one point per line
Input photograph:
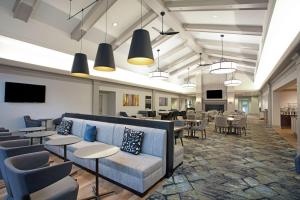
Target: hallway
x=259 y=165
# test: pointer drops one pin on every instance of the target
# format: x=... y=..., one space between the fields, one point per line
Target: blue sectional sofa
x=136 y=172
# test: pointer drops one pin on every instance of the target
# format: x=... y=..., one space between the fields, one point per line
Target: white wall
x=286 y=97
x=62 y=95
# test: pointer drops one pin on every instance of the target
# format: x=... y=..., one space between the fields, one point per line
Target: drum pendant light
x=105 y=58
x=140 y=52
x=80 y=66
x=223 y=66
x=158 y=74
x=188 y=83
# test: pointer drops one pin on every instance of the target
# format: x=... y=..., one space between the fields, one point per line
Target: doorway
x=245 y=105
x=107 y=103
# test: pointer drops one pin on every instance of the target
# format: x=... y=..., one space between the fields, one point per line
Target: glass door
x=245 y=106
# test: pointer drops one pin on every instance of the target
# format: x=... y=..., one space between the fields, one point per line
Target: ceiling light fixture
x=80 y=67
x=140 y=52
x=223 y=66
x=104 y=60
x=115 y=24
x=158 y=74
x=232 y=82
x=189 y=84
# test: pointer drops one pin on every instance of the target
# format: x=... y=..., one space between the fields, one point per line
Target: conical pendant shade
x=80 y=66
x=140 y=52
x=105 y=58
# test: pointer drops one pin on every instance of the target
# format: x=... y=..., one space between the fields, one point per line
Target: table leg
x=65 y=153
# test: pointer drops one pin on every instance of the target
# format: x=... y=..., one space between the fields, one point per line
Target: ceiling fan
x=162 y=32
x=202 y=65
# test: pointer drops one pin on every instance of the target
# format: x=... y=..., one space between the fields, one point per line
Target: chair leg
x=181 y=141
x=205 y=133
x=175 y=141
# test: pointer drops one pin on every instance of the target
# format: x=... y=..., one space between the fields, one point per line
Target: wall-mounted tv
x=214 y=94
x=24 y=93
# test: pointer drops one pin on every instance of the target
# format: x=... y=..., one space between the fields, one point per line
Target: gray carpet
x=259 y=165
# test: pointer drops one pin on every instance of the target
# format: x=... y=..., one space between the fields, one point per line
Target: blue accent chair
x=33 y=182
x=12 y=148
x=32 y=122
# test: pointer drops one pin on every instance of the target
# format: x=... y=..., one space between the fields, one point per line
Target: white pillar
x=270 y=105
x=230 y=99
x=198 y=103
x=298 y=106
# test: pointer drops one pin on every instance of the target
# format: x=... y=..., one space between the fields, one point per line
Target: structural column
x=270 y=103
x=298 y=106
x=230 y=99
x=198 y=103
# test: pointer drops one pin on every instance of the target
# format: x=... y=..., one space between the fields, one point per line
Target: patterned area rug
x=259 y=165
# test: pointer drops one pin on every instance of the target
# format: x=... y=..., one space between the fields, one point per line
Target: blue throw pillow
x=90 y=133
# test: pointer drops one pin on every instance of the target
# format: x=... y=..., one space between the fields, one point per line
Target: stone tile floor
x=259 y=165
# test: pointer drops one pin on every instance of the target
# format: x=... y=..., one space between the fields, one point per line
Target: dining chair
x=201 y=127
x=33 y=182
x=221 y=124
x=180 y=134
x=240 y=126
x=13 y=148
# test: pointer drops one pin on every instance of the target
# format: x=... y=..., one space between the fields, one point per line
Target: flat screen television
x=214 y=94
x=24 y=93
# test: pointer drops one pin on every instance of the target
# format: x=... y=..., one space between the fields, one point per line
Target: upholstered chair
x=33 y=182
x=221 y=124
x=240 y=125
x=9 y=137
x=179 y=134
x=32 y=123
x=201 y=127
x=13 y=148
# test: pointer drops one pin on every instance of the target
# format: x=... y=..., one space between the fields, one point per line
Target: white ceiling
x=48 y=27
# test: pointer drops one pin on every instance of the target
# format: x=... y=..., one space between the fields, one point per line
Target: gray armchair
x=30 y=182
x=32 y=122
x=201 y=127
x=9 y=137
x=13 y=148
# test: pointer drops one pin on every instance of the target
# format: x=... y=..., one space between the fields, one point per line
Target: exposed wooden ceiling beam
x=185 y=76
x=91 y=18
x=205 y=5
x=174 y=65
x=173 y=73
x=248 y=46
x=232 y=55
x=230 y=29
x=127 y=34
x=238 y=61
x=22 y=9
x=173 y=51
x=172 y=21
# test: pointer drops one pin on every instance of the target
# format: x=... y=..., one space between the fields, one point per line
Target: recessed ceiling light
x=215 y=16
x=115 y=24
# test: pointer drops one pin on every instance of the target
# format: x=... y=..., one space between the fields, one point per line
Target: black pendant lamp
x=140 y=52
x=80 y=67
x=105 y=58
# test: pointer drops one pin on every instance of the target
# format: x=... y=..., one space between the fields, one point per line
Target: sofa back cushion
x=154 y=142
x=77 y=127
x=104 y=130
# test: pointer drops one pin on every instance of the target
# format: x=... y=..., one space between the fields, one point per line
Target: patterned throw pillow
x=132 y=141
x=64 y=128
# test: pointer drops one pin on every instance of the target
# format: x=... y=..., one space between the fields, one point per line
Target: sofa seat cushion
x=81 y=144
x=141 y=165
